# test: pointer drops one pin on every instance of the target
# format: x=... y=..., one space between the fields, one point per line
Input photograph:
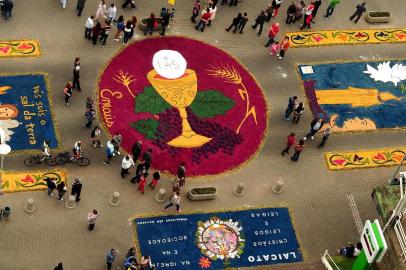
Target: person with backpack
x=109 y=153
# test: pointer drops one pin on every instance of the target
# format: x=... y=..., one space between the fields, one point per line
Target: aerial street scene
x=202 y=135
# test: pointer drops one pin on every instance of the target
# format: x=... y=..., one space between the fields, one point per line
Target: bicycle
x=65 y=157
x=38 y=159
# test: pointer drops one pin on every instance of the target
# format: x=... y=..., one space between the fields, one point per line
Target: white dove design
x=385 y=73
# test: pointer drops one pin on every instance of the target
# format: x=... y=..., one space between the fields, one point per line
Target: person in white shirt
x=125 y=165
x=101 y=10
x=91 y=219
x=213 y=10
x=89 y=27
x=63 y=2
x=111 y=13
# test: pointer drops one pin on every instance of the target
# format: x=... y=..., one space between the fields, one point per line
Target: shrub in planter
x=378 y=16
x=202 y=193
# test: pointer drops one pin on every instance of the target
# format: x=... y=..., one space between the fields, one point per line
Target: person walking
x=80 y=6
x=105 y=32
x=95 y=137
x=273 y=31
x=101 y=10
x=96 y=31
x=116 y=141
x=290 y=12
x=120 y=27
x=67 y=92
x=90 y=116
x=276 y=4
x=111 y=13
x=133 y=24
x=6 y=9
x=76 y=189
x=109 y=153
x=235 y=23
x=307 y=22
x=195 y=11
x=76 y=78
x=175 y=201
x=243 y=22
x=155 y=179
x=89 y=27
x=299 y=11
x=91 y=219
x=297 y=113
x=298 y=149
x=317 y=4
x=61 y=190
x=51 y=185
x=284 y=46
x=213 y=10
x=308 y=11
x=268 y=12
x=127 y=32
x=59 y=266
x=291 y=140
x=147 y=157
x=142 y=183
x=126 y=165
x=204 y=19
x=139 y=171
x=291 y=106
x=182 y=170
x=165 y=22
x=359 y=10
x=126 y=2
x=150 y=24
x=330 y=9
x=136 y=150
x=110 y=257
x=326 y=135
x=315 y=126
x=260 y=20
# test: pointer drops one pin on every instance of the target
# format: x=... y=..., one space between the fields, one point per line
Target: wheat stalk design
x=125 y=79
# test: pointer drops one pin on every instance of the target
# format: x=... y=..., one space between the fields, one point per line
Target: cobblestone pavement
x=316 y=196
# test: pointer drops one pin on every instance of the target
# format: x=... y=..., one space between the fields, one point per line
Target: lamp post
x=5 y=149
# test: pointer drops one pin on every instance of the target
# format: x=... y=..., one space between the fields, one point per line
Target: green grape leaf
x=146 y=127
x=150 y=101
x=211 y=103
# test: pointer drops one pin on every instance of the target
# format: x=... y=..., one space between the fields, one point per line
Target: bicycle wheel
x=83 y=161
x=30 y=161
x=61 y=160
x=51 y=162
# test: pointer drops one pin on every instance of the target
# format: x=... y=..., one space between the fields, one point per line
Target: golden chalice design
x=177 y=86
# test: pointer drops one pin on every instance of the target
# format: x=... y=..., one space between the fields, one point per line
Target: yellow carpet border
x=364 y=159
x=30 y=180
x=15 y=54
x=346 y=37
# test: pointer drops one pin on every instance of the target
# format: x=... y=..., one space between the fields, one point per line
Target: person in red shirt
x=298 y=149
x=273 y=31
x=284 y=47
x=143 y=181
x=291 y=141
x=204 y=19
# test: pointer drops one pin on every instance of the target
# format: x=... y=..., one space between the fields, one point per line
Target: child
x=155 y=179
x=284 y=45
x=143 y=181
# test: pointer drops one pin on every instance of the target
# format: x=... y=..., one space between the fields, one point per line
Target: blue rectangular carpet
x=25 y=111
x=218 y=240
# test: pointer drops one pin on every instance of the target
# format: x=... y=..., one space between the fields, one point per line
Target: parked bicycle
x=38 y=159
x=66 y=157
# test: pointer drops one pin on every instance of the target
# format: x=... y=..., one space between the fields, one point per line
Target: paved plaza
x=315 y=196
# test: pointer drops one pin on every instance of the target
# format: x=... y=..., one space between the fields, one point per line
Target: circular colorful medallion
x=187 y=101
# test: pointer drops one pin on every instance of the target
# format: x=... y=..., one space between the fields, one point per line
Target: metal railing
x=400 y=234
x=328 y=262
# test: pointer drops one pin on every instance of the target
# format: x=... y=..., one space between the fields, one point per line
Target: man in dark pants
x=317 y=4
x=315 y=126
x=233 y=3
x=165 y=22
x=80 y=6
x=136 y=150
x=131 y=2
x=147 y=157
x=326 y=135
x=76 y=77
x=76 y=189
x=223 y=2
x=235 y=23
x=260 y=20
x=243 y=22
x=291 y=106
x=360 y=9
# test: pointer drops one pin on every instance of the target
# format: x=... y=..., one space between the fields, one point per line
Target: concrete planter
x=202 y=193
x=143 y=24
x=378 y=16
